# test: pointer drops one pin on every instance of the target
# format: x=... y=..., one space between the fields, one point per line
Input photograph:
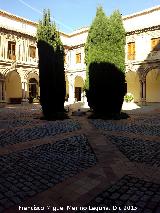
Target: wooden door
x=78 y=93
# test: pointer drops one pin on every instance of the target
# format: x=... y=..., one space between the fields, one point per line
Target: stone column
x=1 y=95
x=144 y=92
x=71 y=98
x=3 y=91
x=27 y=50
x=143 y=89
x=4 y=48
x=21 y=51
x=24 y=92
x=25 y=55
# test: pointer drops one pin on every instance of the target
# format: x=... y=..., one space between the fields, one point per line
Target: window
x=32 y=51
x=131 y=51
x=12 y=50
x=78 y=58
x=155 y=44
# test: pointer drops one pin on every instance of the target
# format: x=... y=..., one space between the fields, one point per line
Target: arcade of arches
x=144 y=85
x=74 y=88
x=14 y=87
x=33 y=85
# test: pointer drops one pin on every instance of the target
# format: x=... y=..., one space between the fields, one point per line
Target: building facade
x=19 y=58
x=143 y=55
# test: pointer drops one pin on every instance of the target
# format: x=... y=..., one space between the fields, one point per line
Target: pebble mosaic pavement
x=36 y=132
x=139 y=150
x=136 y=148
x=142 y=126
x=36 y=169
x=28 y=172
x=129 y=194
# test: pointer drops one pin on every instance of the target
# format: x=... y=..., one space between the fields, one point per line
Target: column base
x=2 y=103
x=25 y=101
x=143 y=102
x=71 y=100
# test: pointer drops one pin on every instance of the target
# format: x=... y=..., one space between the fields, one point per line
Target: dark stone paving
x=138 y=150
x=129 y=194
x=150 y=120
x=14 y=111
x=12 y=123
x=142 y=127
x=28 y=172
x=13 y=136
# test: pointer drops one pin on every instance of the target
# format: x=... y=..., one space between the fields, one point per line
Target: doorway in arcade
x=33 y=88
x=78 y=85
x=78 y=93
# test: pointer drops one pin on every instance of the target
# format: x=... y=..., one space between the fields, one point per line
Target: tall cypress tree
x=105 y=84
x=51 y=68
x=96 y=42
x=117 y=40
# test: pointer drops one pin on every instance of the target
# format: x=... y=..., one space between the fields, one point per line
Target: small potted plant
x=129 y=98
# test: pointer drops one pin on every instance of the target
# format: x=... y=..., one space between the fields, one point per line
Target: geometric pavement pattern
x=28 y=172
x=138 y=150
x=129 y=194
x=12 y=123
x=142 y=126
x=17 y=135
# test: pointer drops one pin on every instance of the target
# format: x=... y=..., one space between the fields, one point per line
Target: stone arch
x=32 y=72
x=13 y=86
x=79 y=85
x=150 y=68
x=153 y=85
x=133 y=84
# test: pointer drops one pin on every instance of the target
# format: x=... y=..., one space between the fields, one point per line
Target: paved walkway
x=79 y=165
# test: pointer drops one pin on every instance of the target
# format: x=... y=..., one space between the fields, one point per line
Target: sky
x=70 y=15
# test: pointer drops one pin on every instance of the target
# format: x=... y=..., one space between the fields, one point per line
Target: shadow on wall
x=106 y=88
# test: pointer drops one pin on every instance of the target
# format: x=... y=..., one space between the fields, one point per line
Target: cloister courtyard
x=77 y=164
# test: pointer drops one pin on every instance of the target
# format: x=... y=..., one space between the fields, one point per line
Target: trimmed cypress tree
x=116 y=41
x=51 y=68
x=105 y=84
x=96 y=42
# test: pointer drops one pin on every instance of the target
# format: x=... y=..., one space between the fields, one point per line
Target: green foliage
x=105 y=41
x=51 y=68
x=117 y=41
x=105 y=60
x=47 y=32
x=95 y=39
x=128 y=97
